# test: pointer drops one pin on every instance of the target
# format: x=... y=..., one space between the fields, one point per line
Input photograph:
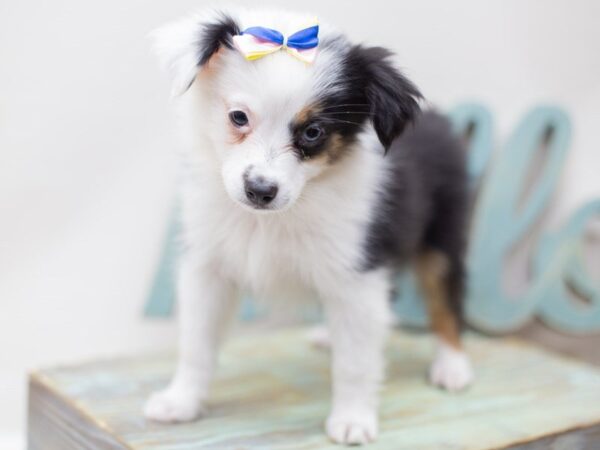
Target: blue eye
x=238 y=118
x=312 y=133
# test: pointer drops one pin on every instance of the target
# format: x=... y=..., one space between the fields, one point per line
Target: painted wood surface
x=272 y=392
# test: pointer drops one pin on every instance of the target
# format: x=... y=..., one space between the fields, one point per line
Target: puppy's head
x=277 y=123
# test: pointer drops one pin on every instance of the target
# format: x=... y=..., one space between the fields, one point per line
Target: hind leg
x=441 y=278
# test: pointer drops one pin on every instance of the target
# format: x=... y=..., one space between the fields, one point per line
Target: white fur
x=451 y=368
x=296 y=249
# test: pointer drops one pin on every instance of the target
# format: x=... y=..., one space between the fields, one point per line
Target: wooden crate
x=272 y=392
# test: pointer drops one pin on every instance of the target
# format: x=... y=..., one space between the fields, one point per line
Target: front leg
x=358 y=316
x=206 y=303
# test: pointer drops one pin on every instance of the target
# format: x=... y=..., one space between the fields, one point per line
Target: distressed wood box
x=272 y=392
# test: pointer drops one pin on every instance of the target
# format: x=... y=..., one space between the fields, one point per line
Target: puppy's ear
x=393 y=98
x=185 y=46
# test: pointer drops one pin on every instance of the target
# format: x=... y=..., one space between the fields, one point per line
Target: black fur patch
x=425 y=200
x=214 y=35
x=393 y=98
x=368 y=87
x=424 y=204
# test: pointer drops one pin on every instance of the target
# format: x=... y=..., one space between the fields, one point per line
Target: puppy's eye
x=238 y=118
x=312 y=133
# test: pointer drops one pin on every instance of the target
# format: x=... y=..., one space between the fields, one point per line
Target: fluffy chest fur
x=317 y=243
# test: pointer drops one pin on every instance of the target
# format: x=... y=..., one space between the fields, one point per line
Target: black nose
x=260 y=192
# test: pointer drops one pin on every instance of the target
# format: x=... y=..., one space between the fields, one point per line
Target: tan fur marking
x=432 y=268
x=335 y=147
x=306 y=113
x=331 y=153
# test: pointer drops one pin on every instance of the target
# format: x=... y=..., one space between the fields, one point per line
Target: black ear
x=187 y=45
x=215 y=35
x=393 y=98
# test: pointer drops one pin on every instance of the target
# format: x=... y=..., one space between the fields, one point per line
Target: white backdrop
x=86 y=167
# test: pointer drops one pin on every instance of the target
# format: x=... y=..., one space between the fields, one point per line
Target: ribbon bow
x=256 y=42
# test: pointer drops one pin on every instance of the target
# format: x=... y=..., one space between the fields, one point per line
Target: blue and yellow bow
x=256 y=42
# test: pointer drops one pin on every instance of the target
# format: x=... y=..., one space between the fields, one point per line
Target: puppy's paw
x=451 y=369
x=173 y=405
x=352 y=427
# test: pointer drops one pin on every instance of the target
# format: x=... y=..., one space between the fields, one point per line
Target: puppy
x=309 y=172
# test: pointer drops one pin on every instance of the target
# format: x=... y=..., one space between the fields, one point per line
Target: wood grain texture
x=57 y=423
x=577 y=439
x=272 y=392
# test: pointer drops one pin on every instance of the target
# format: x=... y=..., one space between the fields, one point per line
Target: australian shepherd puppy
x=310 y=172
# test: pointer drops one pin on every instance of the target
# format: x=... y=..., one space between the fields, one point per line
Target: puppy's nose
x=259 y=191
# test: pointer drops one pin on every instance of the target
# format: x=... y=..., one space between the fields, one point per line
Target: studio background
x=87 y=166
